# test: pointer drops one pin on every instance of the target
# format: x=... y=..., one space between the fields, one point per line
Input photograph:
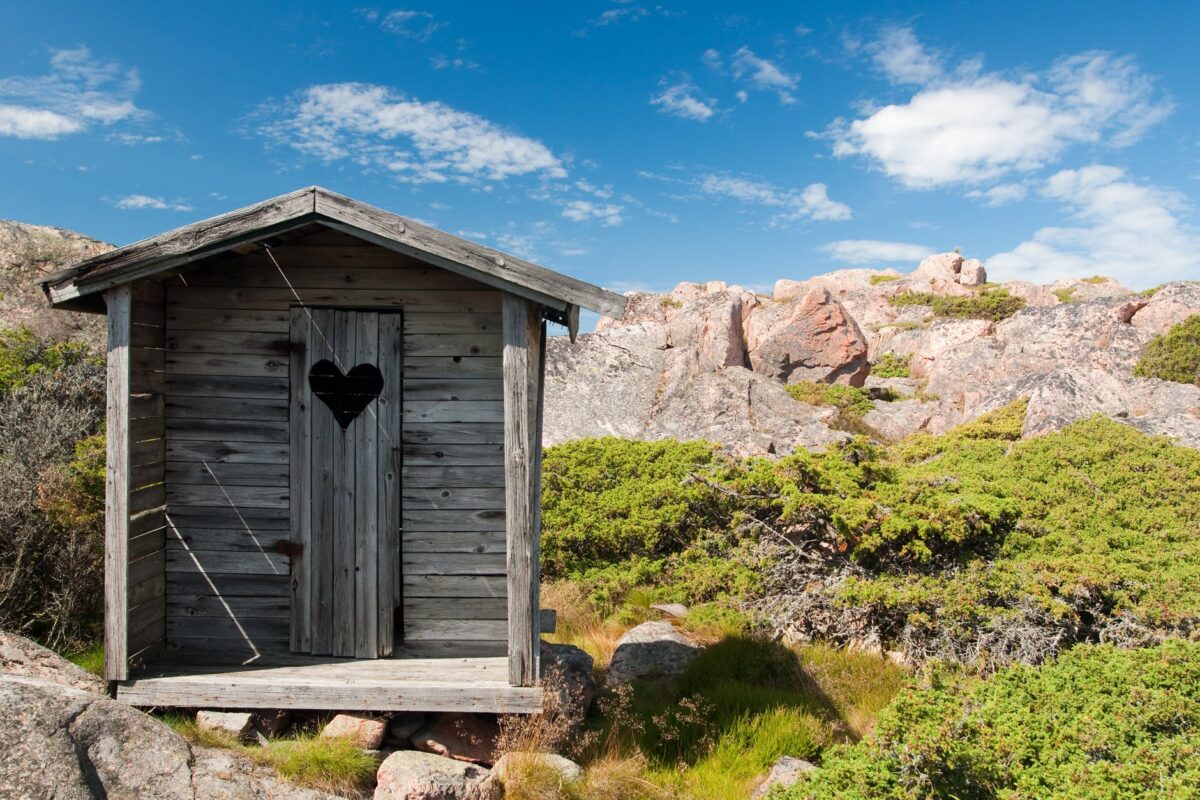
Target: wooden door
x=345 y=376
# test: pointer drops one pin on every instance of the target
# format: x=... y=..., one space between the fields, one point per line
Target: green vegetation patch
x=878 y=279
x=849 y=400
x=1066 y=295
x=890 y=365
x=24 y=354
x=1098 y=722
x=1175 y=355
x=989 y=303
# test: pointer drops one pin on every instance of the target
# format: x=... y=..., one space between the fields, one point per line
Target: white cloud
x=79 y=91
x=1127 y=230
x=999 y=195
x=902 y=58
x=975 y=127
x=679 y=97
x=419 y=26
x=811 y=202
x=869 y=251
x=763 y=74
x=608 y=214
x=143 y=201
x=420 y=142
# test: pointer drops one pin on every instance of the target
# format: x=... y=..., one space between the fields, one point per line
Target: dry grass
x=335 y=765
x=580 y=623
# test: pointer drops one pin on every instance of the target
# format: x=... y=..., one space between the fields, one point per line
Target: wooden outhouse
x=324 y=446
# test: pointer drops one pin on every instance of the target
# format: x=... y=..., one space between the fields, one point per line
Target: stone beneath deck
x=463 y=737
x=366 y=731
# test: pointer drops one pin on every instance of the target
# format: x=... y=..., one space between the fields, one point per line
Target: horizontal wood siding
x=227 y=445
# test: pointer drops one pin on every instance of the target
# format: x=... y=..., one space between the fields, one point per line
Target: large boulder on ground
x=20 y=656
x=61 y=742
x=650 y=650
x=413 y=775
x=569 y=685
x=813 y=339
x=951 y=268
x=711 y=327
x=463 y=737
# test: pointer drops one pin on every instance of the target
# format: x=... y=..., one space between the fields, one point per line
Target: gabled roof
x=561 y=294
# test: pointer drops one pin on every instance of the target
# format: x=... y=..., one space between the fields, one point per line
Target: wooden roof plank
x=314 y=204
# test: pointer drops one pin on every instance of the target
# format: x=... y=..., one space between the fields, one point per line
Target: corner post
x=116 y=486
x=522 y=447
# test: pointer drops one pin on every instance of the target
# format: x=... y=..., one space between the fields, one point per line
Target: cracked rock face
x=710 y=361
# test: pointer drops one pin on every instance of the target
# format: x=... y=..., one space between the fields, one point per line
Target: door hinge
x=289 y=549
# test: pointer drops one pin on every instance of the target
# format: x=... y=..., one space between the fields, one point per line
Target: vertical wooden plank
x=520 y=351
x=299 y=481
x=324 y=433
x=535 y=498
x=344 y=342
x=116 y=487
x=366 y=430
x=391 y=341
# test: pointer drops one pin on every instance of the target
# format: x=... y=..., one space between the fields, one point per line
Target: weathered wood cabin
x=324 y=450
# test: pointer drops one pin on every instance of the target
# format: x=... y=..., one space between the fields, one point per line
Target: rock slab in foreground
x=649 y=650
x=414 y=775
x=20 y=656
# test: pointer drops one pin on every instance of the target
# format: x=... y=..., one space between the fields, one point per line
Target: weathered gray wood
x=227 y=585
x=325 y=433
x=455 y=586
x=116 y=486
x=453 y=476
x=461 y=563
x=417 y=322
x=191 y=243
x=343 y=343
x=227 y=452
x=227 y=474
x=187 y=318
x=231 y=365
x=389 y=471
x=456 y=411
x=468 y=498
x=426 y=300
x=434 y=520
x=419 y=389
x=482 y=455
x=300 y=480
x=226 y=342
x=455 y=542
x=439 y=343
x=520 y=320
x=274 y=387
x=476 y=629
x=199 y=605
x=365 y=468
x=247 y=541
x=226 y=562
x=452 y=367
x=239 y=497
x=454 y=433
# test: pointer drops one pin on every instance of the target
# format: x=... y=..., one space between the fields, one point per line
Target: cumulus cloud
x=871 y=251
x=811 y=202
x=607 y=214
x=999 y=195
x=1127 y=230
x=679 y=97
x=419 y=142
x=902 y=58
x=975 y=127
x=79 y=91
x=138 y=202
x=763 y=74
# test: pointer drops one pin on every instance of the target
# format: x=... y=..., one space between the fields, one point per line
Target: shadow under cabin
x=323 y=460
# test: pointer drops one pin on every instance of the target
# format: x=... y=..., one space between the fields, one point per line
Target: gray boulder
x=569 y=686
x=786 y=772
x=413 y=775
x=652 y=649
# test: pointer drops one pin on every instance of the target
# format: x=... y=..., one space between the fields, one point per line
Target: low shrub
x=1174 y=355
x=850 y=401
x=989 y=303
x=1066 y=295
x=1098 y=722
x=890 y=365
x=878 y=279
x=51 y=490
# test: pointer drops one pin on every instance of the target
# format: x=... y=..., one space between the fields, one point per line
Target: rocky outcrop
x=19 y=656
x=63 y=738
x=712 y=361
x=650 y=650
x=28 y=252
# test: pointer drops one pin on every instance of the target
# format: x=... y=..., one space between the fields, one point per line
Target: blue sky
x=633 y=144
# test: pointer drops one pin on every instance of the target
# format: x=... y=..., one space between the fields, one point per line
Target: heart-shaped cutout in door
x=347 y=395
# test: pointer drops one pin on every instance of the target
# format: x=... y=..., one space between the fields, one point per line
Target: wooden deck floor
x=389 y=684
